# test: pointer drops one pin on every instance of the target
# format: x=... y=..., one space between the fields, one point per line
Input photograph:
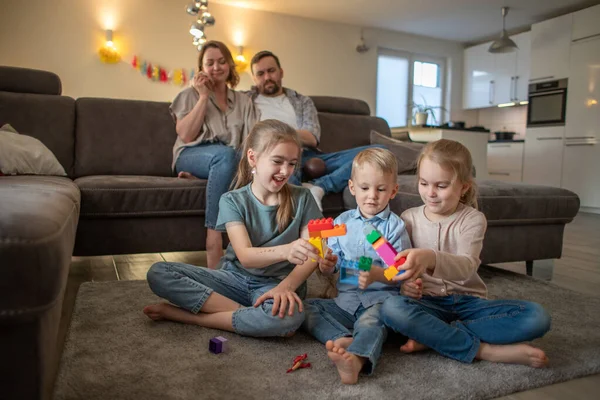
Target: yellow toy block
x=390 y=272
x=319 y=244
x=378 y=243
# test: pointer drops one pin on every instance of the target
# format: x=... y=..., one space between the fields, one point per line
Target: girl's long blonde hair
x=263 y=138
x=454 y=156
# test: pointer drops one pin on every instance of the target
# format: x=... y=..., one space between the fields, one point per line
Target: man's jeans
x=326 y=321
x=188 y=287
x=455 y=325
x=339 y=168
x=215 y=162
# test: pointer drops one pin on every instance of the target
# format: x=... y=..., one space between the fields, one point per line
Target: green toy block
x=373 y=236
x=364 y=263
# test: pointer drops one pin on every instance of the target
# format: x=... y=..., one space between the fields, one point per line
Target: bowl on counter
x=504 y=135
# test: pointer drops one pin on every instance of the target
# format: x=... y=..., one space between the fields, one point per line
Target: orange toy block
x=378 y=243
x=319 y=225
x=390 y=272
x=338 y=230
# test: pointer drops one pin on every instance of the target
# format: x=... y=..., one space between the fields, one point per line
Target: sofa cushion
x=25 y=155
x=407 y=153
x=38 y=222
x=25 y=80
x=340 y=105
x=49 y=118
x=119 y=196
x=123 y=137
x=344 y=131
x=502 y=203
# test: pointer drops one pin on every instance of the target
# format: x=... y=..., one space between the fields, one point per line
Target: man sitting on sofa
x=276 y=102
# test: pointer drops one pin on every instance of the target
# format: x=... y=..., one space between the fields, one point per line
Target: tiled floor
x=578 y=269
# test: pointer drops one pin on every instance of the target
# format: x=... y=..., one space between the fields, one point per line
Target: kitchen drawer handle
x=549 y=138
x=499 y=145
x=546 y=93
x=581 y=144
x=499 y=173
x=542 y=78
x=586 y=37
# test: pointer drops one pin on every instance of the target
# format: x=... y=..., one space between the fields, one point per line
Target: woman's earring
x=253 y=171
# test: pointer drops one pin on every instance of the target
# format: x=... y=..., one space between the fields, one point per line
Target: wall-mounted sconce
x=109 y=53
x=240 y=61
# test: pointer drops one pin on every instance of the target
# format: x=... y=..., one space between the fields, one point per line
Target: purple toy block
x=216 y=345
x=387 y=253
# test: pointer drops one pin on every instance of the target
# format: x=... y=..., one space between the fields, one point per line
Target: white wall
x=318 y=58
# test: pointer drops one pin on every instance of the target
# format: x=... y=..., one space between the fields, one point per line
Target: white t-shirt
x=278 y=108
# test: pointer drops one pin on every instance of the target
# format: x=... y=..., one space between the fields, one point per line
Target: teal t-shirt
x=261 y=222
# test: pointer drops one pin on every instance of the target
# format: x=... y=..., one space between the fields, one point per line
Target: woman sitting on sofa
x=211 y=119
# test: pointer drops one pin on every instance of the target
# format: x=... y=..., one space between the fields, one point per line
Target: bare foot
x=156 y=312
x=412 y=346
x=186 y=175
x=343 y=342
x=513 y=354
x=347 y=364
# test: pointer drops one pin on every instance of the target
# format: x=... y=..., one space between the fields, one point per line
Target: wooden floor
x=578 y=269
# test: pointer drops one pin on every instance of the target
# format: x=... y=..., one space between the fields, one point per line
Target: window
x=402 y=76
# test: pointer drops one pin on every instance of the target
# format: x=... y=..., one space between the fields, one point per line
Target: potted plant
x=422 y=111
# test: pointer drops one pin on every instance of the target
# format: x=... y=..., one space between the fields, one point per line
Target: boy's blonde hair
x=263 y=138
x=452 y=155
x=378 y=158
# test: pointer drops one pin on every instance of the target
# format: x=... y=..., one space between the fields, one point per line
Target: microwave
x=547 y=103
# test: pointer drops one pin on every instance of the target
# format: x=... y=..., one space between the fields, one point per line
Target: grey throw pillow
x=406 y=153
x=26 y=155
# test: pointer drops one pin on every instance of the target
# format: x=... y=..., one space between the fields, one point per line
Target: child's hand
x=327 y=264
x=417 y=261
x=413 y=289
x=282 y=298
x=299 y=251
x=365 y=278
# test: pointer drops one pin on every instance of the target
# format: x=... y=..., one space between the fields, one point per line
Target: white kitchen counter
x=475 y=141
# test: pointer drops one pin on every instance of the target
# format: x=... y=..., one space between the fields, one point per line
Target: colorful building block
x=350 y=269
x=338 y=230
x=320 y=224
x=321 y=229
x=384 y=249
x=217 y=345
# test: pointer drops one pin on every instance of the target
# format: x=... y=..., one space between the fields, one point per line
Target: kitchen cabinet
x=492 y=79
x=478 y=77
x=581 y=162
x=505 y=161
x=521 y=84
x=542 y=161
x=585 y=23
x=550 y=47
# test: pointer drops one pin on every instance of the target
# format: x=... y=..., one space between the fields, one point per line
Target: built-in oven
x=547 y=103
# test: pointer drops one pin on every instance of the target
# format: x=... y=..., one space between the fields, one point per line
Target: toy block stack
x=385 y=251
x=350 y=269
x=321 y=229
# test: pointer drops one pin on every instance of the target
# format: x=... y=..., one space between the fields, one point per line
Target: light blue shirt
x=354 y=245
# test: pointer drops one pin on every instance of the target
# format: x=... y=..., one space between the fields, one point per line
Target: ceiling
x=467 y=21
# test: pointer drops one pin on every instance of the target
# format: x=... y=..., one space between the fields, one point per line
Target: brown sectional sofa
x=120 y=197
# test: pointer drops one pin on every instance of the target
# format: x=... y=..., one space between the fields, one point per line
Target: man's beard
x=271 y=90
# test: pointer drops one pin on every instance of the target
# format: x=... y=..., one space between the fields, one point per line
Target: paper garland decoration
x=179 y=76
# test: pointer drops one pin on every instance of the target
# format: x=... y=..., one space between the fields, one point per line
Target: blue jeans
x=188 y=287
x=455 y=325
x=326 y=321
x=339 y=168
x=215 y=162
